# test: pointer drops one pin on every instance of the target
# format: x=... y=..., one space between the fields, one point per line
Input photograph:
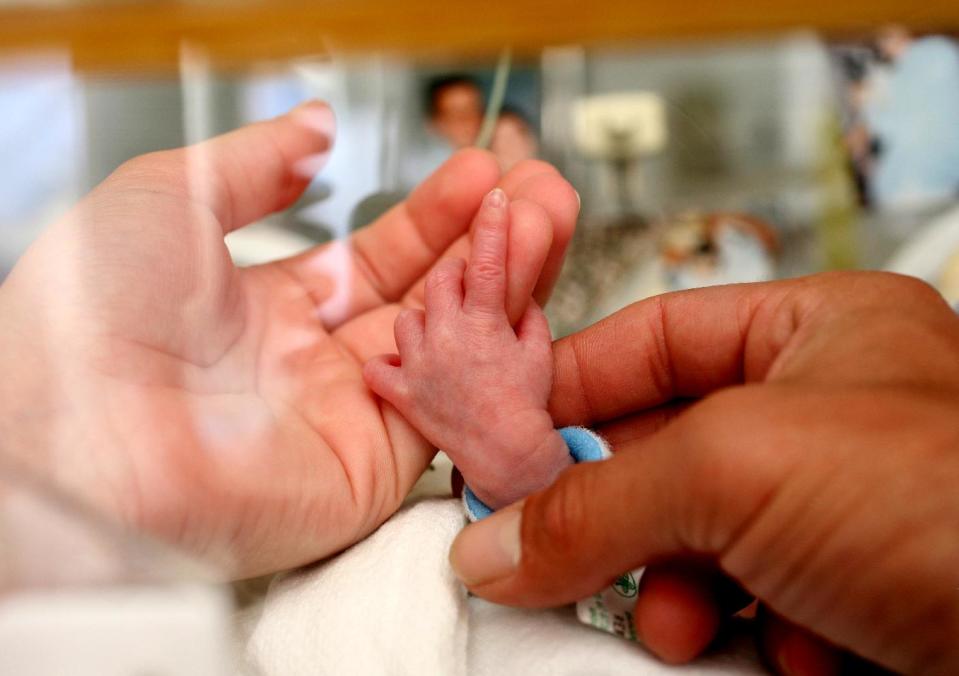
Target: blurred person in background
x=454 y=104
x=915 y=121
x=514 y=138
x=861 y=146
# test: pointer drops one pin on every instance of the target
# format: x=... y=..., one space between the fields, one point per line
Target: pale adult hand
x=819 y=470
x=224 y=409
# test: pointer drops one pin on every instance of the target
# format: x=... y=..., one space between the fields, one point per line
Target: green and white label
x=611 y=610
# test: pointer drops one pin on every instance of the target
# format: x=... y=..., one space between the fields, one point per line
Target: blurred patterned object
x=614 y=264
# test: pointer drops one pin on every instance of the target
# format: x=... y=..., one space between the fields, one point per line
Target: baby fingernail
x=489 y=549
x=496 y=198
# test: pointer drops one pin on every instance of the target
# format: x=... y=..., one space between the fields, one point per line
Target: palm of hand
x=235 y=397
x=285 y=443
x=223 y=392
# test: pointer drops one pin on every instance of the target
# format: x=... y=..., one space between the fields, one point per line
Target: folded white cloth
x=388 y=605
x=391 y=605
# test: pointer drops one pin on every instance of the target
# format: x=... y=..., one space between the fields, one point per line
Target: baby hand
x=470 y=383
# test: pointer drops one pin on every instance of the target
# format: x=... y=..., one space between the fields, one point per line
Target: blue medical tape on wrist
x=476 y=509
x=584 y=446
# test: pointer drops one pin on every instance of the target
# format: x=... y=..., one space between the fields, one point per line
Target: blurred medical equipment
x=621 y=129
x=707 y=250
x=376 y=204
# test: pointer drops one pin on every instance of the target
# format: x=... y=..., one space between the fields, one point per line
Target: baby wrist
x=581 y=445
x=611 y=609
x=510 y=475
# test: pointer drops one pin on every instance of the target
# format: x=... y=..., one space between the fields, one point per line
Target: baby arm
x=470 y=383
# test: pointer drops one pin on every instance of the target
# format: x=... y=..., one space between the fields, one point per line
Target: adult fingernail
x=496 y=198
x=489 y=549
x=309 y=166
x=579 y=200
x=315 y=115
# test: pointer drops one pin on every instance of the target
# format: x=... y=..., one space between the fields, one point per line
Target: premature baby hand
x=470 y=383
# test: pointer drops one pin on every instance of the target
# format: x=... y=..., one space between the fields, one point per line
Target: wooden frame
x=145 y=36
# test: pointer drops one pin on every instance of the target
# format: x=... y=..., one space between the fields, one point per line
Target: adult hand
x=224 y=409
x=819 y=470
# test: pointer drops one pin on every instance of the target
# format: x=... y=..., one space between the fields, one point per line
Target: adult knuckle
x=908 y=289
x=887 y=288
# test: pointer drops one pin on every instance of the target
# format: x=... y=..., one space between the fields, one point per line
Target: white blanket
x=390 y=605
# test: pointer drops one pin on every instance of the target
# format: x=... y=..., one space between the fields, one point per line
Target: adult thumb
x=240 y=176
x=689 y=488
